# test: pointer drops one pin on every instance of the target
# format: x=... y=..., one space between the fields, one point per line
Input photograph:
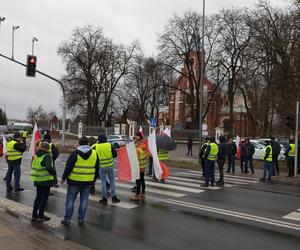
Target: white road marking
x=122 y=204
x=230 y=176
x=165 y=185
x=26 y=211
x=193 y=181
x=235 y=214
x=191 y=184
x=293 y=216
x=151 y=190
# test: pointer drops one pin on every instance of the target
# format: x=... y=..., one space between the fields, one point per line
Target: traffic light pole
x=296 y=140
x=63 y=90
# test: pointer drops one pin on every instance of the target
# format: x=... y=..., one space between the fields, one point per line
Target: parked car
x=118 y=140
x=260 y=144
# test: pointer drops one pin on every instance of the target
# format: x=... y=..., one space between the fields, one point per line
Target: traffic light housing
x=291 y=122
x=31 y=66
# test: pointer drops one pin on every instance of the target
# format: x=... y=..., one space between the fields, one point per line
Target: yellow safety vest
x=38 y=172
x=163 y=155
x=105 y=155
x=292 y=151
x=270 y=154
x=24 y=134
x=50 y=149
x=84 y=170
x=214 y=150
x=142 y=157
x=13 y=154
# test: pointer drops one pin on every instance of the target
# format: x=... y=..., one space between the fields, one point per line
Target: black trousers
x=140 y=183
x=221 y=163
x=290 y=161
x=40 y=201
x=275 y=162
x=203 y=167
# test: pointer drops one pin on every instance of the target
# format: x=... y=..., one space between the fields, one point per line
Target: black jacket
x=231 y=149
x=85 y=152
x=47 y=164
x=247 y=150
x=222 y=151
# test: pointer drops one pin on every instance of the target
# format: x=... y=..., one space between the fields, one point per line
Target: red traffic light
x=32 y=60
x=31 y=66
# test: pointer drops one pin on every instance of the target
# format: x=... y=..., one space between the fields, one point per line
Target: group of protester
x=210 y=153
x=90 y=160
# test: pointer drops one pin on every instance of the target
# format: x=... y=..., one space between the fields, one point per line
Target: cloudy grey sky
x=52 y=22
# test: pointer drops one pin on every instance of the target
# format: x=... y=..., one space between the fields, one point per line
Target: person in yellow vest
x=54 y=153
x=106 y=152
x=42 y=174
x=24 y=135
x=291 y=157
x=15 y=149
x=143 y=157
x=81 y=172
x=210 y=157
x=268 y=161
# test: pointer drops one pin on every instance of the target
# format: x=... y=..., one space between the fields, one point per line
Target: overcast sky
x=52 y=22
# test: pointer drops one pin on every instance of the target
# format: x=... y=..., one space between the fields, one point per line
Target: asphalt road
x=178 y=214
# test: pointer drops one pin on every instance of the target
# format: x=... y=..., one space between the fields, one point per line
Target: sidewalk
x=16 y=234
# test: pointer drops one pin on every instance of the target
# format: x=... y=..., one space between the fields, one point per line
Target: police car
x=118 y=140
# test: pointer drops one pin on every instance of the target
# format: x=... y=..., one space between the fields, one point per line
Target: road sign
x=153 y=122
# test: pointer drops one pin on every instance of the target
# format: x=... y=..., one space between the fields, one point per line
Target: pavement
x=18 y=233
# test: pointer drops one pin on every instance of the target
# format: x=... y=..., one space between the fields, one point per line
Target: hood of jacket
x=84 y=151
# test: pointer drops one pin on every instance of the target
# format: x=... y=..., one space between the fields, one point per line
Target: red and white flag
x=141 y=131
x=153 y=150
x=4 y=142
x=36 y=138
x=128 y=163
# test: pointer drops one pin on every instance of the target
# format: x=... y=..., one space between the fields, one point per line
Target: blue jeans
x=268 y=169
x=110 y=172
x=71 y=197
x=15 y=169
x=40 y=201
x=209 y=172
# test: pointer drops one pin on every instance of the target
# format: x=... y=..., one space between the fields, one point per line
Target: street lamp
x=33 y=40
x=201 y=81
x=1 y=20
x=13 y=40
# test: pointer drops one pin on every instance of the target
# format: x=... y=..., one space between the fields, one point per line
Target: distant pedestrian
x=267 y=157
x=248 y=151
x=210 y=157
x=81 y=172
x=242 y=156
x=201 y=156
x=106 y=152
x=190 y=146
x=231 y=153
x=291 y=157
x=15 y=150
x=221 y=159
x=276 y=152
x=42 y=174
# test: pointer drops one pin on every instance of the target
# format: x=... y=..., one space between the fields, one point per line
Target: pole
x=296 y=140
x=201 y=95
x=63 y=90
x=12 y=42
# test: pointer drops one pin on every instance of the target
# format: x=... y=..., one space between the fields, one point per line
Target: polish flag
x=128 y=163
x=238 y=146
x=36 y=138
x=141 y=131
x=4 y=142
x=153 y=150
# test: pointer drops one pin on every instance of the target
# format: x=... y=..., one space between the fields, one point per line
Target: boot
x=143 y=196
x=103 y=201
x=114 y=199
x=220 y=183
x=135 y=198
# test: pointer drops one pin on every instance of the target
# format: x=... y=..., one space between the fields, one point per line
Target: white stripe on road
x=151 y=190
x=191 y=184
x=240 y=182
x=156 y=184
x=193 y=180
x=26 y=211
x=235 y=214
x=232 y=176
x=122 y=204
x=293 y=216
